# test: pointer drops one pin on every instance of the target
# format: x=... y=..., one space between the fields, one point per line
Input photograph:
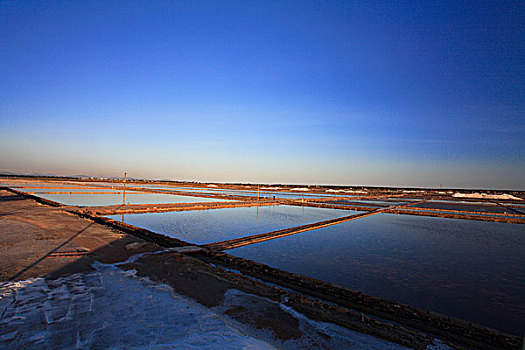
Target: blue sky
x=359 y=93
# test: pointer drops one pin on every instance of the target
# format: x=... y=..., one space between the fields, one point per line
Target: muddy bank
x=208 y=284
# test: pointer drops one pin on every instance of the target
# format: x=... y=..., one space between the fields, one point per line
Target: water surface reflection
x=468 y=269
x=207 y=226
x=131 y=198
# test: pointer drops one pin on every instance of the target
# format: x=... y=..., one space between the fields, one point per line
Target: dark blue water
x=468 y=269
x=207 y=226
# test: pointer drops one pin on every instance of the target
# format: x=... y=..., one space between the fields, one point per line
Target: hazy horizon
x=130 y=178
x=419 y=94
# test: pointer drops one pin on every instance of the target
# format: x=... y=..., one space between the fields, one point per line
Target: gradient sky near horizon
x=396 y=93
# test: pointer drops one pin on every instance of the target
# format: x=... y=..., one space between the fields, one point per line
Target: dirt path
x=38 y=240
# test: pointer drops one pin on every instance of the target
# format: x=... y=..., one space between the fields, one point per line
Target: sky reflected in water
x=131 y=198
x=468 y=269
x=207 y=226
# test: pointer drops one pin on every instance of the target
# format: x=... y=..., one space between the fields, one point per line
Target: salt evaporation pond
x=271 y=195
x=353 y=203
x=34 y=184
x=467 y=269
x=379 y=202
x=131 y=198
x=207 y=226
x=463 y=207
x=246 y=193
x=72 y=190
x=492 y=215
x=262 y=194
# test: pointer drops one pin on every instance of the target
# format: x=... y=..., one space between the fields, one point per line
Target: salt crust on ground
x=114 y=309
x=486 y=196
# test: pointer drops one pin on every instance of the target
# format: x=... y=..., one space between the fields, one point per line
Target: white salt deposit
x=486 y=196
x=300 y=189
x=213 y=186
x=112 y=308
x=271 y=188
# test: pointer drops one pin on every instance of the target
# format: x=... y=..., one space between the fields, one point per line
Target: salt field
x=467 y=269
x=464 y=206
x=131 y=198
x=207 y=226
x=380 y=202
x=482 y=214
x=68 y=190
x=352 y=203
x=246 y=193
x=18 y=184
x=262 y=175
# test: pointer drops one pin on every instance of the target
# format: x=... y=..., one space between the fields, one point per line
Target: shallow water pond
x=207 y=226
x=131 y=198
x=38 y=191
x=468 y=269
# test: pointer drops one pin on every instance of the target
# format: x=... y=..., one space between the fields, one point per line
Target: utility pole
x=258 y=193
x=124 y=193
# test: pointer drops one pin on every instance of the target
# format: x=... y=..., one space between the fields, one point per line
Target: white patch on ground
x=213 y=186
x=486 y=196
x=317 y=335
x=304 y=189
x=271 y=188
x=112 y=308
x=438 y=346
